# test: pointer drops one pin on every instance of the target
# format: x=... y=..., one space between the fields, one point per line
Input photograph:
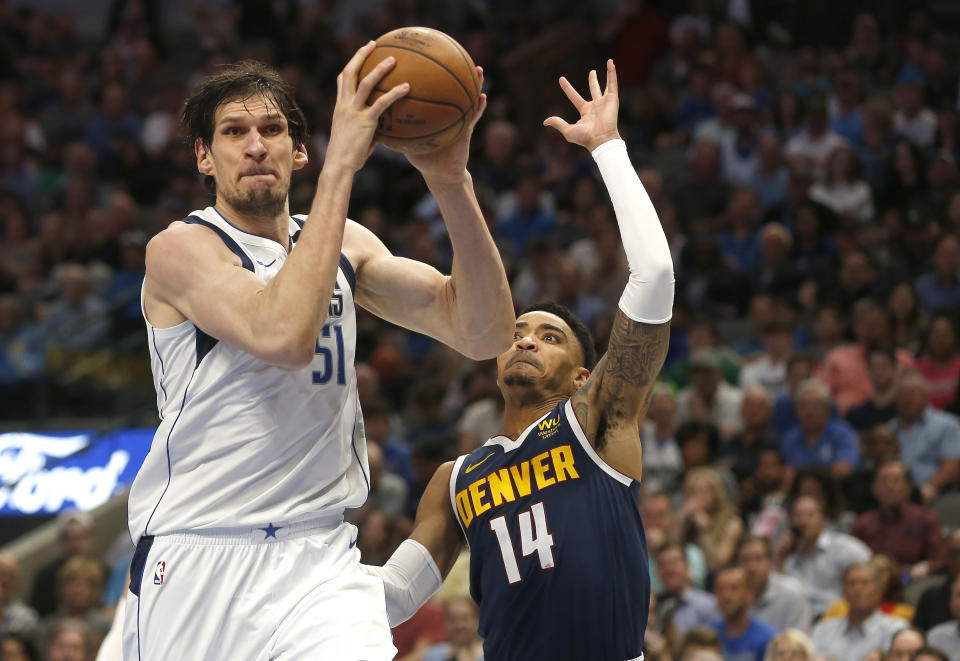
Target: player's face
x=251 y=157
x=545 y=355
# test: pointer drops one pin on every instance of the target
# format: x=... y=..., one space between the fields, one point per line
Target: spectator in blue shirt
x=929 y=438
x=819 y=439
x=940 y=289
x=742 y=636
x=529 y=219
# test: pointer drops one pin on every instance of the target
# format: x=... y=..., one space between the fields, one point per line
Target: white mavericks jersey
x=242 y=443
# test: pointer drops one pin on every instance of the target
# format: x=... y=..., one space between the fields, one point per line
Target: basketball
x=444 y=89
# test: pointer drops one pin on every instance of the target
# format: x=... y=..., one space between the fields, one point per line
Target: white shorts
x=287 y=592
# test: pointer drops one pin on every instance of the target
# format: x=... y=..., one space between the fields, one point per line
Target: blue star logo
x=271 y=530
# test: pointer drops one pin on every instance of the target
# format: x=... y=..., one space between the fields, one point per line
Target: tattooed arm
x=611 y=403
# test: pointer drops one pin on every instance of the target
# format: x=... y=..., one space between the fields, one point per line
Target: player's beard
x=518 y=380
x=258 y=202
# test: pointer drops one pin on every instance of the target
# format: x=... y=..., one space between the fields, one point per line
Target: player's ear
x=580 y=376
x=204 y=160
x=300 y=158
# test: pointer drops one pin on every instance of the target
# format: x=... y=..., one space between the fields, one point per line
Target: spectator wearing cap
x=777 y=598
x=908 y=533
x=709 y=398
x=881 y=407
x=946 y=636
x=812 y=146
x=845 y=367
x=818 y=439
x=939 y=290
x=739 y=150
x=818 y=556
x=929 y=438
x=865 y=628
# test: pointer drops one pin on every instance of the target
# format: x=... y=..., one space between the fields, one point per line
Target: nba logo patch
x=159 y=572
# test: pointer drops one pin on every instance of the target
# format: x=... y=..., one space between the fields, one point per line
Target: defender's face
x=545 y=353
x=251 y=156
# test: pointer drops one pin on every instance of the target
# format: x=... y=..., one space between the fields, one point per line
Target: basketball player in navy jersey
x=238 y=509
x=558 y=562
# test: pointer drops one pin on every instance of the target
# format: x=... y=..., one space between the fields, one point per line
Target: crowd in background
x=801 y=451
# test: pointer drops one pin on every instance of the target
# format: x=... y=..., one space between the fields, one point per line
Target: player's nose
x=526 y=343
x=254 y=146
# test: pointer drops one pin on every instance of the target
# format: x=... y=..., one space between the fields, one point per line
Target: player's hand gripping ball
x=444 y=89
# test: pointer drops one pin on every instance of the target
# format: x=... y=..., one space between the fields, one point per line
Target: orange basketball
x=444 y=89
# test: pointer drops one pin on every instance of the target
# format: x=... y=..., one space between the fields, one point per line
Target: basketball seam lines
x=462 y=118
x=435 y=61
x=466 y=61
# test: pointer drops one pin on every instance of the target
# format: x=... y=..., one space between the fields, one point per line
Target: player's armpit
x=610 y=405
x=191 y=274
x=436 y=525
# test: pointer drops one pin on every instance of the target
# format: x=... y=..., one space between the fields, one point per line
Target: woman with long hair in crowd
x=709 y=516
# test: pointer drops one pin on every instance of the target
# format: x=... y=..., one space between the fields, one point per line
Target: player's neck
x=270 y=227
x=517 y=416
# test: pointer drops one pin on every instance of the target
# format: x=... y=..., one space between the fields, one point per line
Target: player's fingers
x=370 y=81
x=594 y=85
x=557 y=123
x=481 y=107
x=352 y=69
x=572 y=94
x=394 y=93
x=612 y=87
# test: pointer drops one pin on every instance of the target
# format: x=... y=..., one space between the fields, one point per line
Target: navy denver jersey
x=558 y=562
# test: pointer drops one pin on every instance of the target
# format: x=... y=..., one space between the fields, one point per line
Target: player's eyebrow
x=241 y=117
x=547 y=326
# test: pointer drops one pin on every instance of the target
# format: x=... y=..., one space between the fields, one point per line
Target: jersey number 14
x=534 y=537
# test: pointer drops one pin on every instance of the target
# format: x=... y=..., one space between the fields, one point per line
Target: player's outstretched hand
x=449 y=164
x=354 y=122
x=598 y=116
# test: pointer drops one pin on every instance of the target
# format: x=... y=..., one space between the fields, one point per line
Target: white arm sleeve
x=648 y=297
x=410 y=578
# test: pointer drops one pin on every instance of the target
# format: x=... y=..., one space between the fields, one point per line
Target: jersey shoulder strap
x=226 y=238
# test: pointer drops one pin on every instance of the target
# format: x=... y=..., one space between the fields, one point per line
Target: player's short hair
x=239 y=82
x=580 y=330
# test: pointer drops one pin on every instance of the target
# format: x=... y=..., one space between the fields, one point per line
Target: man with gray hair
x=865 y=628
x=818 y=439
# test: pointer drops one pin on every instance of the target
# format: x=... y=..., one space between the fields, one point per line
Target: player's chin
x=515 y=379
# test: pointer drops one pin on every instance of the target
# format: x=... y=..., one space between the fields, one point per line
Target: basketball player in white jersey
x=242 y=549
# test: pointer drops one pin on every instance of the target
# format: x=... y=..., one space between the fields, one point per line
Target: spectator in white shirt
x=811 y=147
x=865 y=628
x=912 y=119
x=843 y=191
x=709 y=398
x=777 y=598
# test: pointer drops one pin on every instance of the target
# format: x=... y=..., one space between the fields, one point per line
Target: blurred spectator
x=21 y=359
x=739 y=239
x=79 y=595
x=799 y=368
x=769 y=369
x=703 y=195
x=790 y=644
x=865 y=628
x=661 y=527
x=771 y=176
x=680 y=604
x=662 y=461
x=939 y=290
x=71 y=640
x=15 y=616
x=775 y=273
x=905 y=317
x=946 y=636
x=77 y=320
x=908 y=533
x=940 y=361
x=819 y=439
x=846 y=109
x=739 y=150
x=763 y=495
x=481 y=418
x=857 y=280
x=742 y=635
x=929 y=438
x=882 y=405
x=812 y=146
x=879 y=444
x=463 y=644
x=817 y=482
x=388 y=491
x=913 y=120
x=75 y=537
x=930 y=653
x=778 y=599
x=529 y=218
x=699 y=643
x=17 y=647
x=740 y=453
x=709 y=398
x=700 y=334
x=113 y=120
x=709 y=516
x=378 y=430
x=933 y=607
x=818 y=556
x=905 y=644
x=843 y=191
x=845 y=368
x=892 y=601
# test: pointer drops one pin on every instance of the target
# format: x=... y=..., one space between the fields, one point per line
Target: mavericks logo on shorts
x=158 y=573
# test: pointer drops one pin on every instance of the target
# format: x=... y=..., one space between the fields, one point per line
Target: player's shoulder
x=182 y=243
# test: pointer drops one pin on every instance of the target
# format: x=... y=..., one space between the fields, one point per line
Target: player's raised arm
x=615 y=397
x=470 y=310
